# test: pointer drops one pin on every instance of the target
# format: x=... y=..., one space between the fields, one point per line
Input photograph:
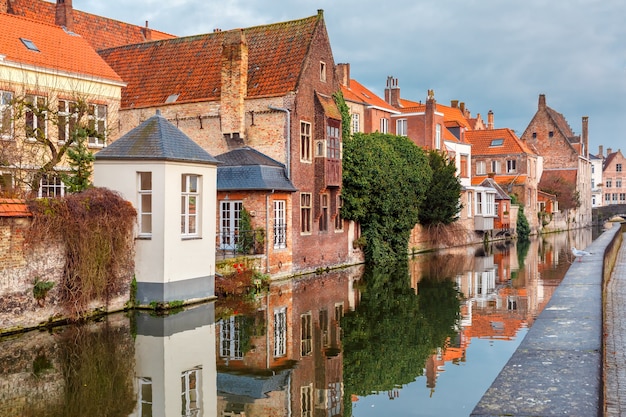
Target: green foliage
x=442 y=202
x=41 y=288
x=245 y=239
x=384 y=182
x=345 y=114
x=394 y=329
x=80 y=160
x=523 y=228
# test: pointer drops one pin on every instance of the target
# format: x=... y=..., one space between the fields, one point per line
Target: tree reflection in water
x=394 y=329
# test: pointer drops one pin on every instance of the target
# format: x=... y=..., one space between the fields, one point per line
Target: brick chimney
x=234 y=84
x=146 y=32
x=392 y=92
x=4 y=6
x=454 y=104
x=542 y=102
x=64 y=15
x=430 y=130
x=343 y=71
x=609 y=151
x=490 y=120
x=585 y=137
x=600 y=151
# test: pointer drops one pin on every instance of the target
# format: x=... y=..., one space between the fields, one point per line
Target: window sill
x=191 y=238
x=143 y=238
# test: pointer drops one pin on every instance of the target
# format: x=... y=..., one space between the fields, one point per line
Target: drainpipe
x=288 y=159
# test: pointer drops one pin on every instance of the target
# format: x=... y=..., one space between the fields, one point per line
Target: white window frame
x=190 y=392
x=145 y=396
x=384 y=125
x=511 y=166
x=402 y=127
x=280 y=332
x=67 y=119
x=306 y=334
x=6 y=115
x=356 y=123
x=144 y=203
x=609 y=182
x=438 y=136
x=306 y=142
x=618 y=183
x=469 y=204
x=481 y=168
x=230 y=216
x=98 y=122
x=48 y=188
x=191 y=184
x=230 y=338
x=306 y=213
x=36 y=122
x=495 y=166
x=280 y=224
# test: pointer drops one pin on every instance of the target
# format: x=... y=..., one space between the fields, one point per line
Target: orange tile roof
x=57 y=49
x=357 y=93
x=330 y=107
x=13 y=207
x=191 y=66
x=502 y=180
x=481 y=141
x=100 y=32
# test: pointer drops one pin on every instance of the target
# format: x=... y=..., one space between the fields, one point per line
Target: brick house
x=597 y=181
x=50 y=82
x=566 y=162
x=268 y=88
x=514 y=166
x=614 y=189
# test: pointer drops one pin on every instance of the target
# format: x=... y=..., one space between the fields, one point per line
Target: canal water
x=423 y=338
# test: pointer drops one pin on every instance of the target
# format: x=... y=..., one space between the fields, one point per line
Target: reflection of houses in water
x=297 y=322
x=175 y=363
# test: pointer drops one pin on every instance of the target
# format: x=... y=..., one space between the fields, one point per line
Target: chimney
x=462 y=107
x=234 y=76
x=600 y=151
x=343 y=70
x=490 y=120
x=64 y=14
x=147 y=32
x=392 y=92
x=4 y=6
x=429 y=123
x=609 y=151
x=542 y=101
x=585 y=137
x=454 y=103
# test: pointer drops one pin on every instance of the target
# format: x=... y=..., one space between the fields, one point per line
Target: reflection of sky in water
x=459 y=387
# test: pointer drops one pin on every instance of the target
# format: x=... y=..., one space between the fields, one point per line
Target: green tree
x=345 y=114
x=80 y=160
x=442 y=202
x=384 y=182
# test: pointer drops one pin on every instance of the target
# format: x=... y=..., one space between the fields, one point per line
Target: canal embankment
x=558 y=367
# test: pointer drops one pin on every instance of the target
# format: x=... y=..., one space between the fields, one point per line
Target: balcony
x=332 y=172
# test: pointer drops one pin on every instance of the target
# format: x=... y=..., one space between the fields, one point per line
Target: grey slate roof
x=248 y=169
x=156 y=139
x=490 y=182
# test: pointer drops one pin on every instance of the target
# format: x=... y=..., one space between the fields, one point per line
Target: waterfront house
x=567 y=168
x=268 y=88
x=614 y=179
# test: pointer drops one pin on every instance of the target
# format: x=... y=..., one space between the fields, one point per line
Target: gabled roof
x=328 y=104
x=13 y=207
x=496 y=142
x=248 y=169
x=156 y=139
x=357 y=93
x=500 y=193
x=502 y=180
x=27 y=43
x=562 y=125
x=191 y=66
x=613 y=155
x=100 y=32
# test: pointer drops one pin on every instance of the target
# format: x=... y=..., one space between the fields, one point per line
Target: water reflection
x=426 y=337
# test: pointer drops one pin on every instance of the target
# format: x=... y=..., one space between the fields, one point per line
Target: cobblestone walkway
x=615 y=339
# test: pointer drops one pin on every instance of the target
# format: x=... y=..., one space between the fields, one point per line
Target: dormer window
x=322 y=71
x=29 y=44
x=497 y=142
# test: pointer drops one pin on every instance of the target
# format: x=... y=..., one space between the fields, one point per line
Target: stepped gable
x=156 y=139
x=29 y=43
x=248 y=169
x=191 y=66
x=100 y=32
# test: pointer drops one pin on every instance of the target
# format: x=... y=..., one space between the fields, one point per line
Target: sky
x=497 y=55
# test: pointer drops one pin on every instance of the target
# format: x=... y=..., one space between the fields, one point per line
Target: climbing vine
x=95 y=228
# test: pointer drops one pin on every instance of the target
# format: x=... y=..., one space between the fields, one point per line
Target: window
x=230 y=337
x=614 y=198
x=6 y=183
x=306 y=400
x=324 y=327
x=356 y=125
x=438 y=136
x=280 y=332
x=51 y=185
x=469 y=204
x=97 y=125
x=305 y=141
x=30 y=44
x=190 y=382
x=618 y=167
x=144 y=205
x=35 y=113
x=338 y=219
x=495 y=167
x=190 y=200
x=534 y=135
x=322 y=71
x=305 y=212
x=618 y=183
x=280 y=224
x=230 y=215
x=491 y=204
x=384 y=125
x=479 y=203
x=511 y=166
x=497 y=142
x=401 y=127
x=6 y=115
x=145 y=397
x=622 y=198
x=324 y=212
x=333 y=148
x=481 y=168
x=551 y=134
x=609 y=182
x=464 y=163
x=68 y=119
x=306 y=334
x=607 y=197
